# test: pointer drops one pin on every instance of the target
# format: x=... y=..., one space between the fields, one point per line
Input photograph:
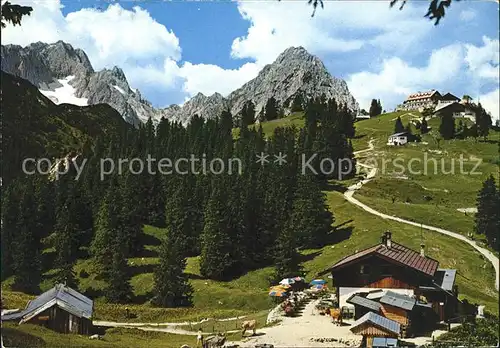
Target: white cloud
x=279 y=25
x=491 y=103
x=396 y=78
x=112 y=37
x=483 y=61
x=467 y=15
x=446 y=70
x=208 y=78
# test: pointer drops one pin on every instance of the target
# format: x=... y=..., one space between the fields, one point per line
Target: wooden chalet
x=392 y=266
x=61 y=309
x=372 y=325
x=412 y=315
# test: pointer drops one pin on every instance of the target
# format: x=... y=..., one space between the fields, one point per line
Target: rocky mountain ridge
x=52 y=67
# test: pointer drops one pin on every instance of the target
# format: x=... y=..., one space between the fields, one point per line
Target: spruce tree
x=398 y=126
x=248 y=114
x=217 y=260
x=271 y=109
x=487 y=220
x=66 y=244
x=286 y=256
x=424 y=127
x=119 y=289
x=447 y=126
x=130 y=214
x=171 y=284
x=297 y=103
x=483 y=122
x=27 y=246
x=10 y=212
x=156 y=203
x=106 y=230
x=310 y=219
x=373 y=108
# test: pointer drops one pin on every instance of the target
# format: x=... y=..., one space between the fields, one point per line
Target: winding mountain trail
x=349 y=195
x=163 y=327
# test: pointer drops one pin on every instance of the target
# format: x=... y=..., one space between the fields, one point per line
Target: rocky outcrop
x=44 y=65
x=294 y=72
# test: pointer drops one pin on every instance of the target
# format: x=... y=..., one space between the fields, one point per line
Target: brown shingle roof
x=421 y=95
x=397 y=253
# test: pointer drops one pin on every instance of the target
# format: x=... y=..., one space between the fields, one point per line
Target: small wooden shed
x=373 y=325
x=61 y=309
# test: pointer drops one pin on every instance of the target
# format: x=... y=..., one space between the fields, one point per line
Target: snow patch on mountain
x=120 y=90
x=65 y=94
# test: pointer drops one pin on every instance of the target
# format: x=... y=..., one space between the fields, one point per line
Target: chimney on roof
x=422 y=250
x=387 y=239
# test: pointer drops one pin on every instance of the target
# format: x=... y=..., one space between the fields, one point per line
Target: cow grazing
x=249 y=325
x=336 y=314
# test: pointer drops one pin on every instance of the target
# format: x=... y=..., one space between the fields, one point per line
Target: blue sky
x=171 y=50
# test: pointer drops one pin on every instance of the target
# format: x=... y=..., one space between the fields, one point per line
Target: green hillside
x=33 y=126
x=431 y=186
x=354 y=230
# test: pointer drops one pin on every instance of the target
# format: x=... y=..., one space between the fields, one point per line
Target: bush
x=482 y=332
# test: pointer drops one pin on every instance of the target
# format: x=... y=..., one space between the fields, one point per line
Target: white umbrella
x=287 y=281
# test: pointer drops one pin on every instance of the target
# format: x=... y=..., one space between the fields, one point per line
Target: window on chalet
x=364 y=269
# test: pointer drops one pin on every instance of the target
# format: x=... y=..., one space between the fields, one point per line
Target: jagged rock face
x=201 y=105
x=295 y=71
x=44 y=64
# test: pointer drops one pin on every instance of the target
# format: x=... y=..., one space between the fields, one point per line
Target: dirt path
x=163 y=327
x=349 y=195
x=301 y=331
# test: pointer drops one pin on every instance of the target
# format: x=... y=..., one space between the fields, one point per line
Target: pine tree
x=130 y=214
x=106 y=230
x=119 y=289
x=156 y=202
x=297 y=103
x=66 y=244
x=398 y=126
x=217 y=260
x=374 y=108
x=171 y=284
x=271 y=109
x=248 y=114
x=487 y=220
x=184 y=215
x=287 y=258
x=27 y=249
x=424 y=127
x=10 y=212
x=483 y=122
x=379 y=107
x=310 y=219
x=447 y=126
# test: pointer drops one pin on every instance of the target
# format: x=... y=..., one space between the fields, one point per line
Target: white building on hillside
x=398 y=139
